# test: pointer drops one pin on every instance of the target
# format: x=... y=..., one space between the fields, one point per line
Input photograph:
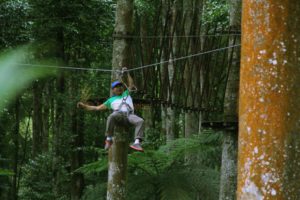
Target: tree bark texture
x=229 y=146
x=117 y=169
x=192 y=16
x=269 y=103
x=117 y=159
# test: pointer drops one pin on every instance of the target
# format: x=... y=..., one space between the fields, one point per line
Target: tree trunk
x=14 y=190
x=170 y=124
x=59 y=114
x=229 y=166
x=123 y=27
x=37 y=119
x=229 y=147
x=192 y=19
x=269 y=101
x=147 y=110
x=117 y=169
x=40 y=121
x=45 y=117
x=164 y=56
x=77 y=117
x=190 y=120
x=170 y=119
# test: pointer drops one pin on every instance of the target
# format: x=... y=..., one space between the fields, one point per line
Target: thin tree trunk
x=170 y=124
x=192 y=19
x=37 y=119
x=170 y=111
x=14 y=190
x=147 y=115
x=190 y=120
x=229 y=147
x=45 y=118
x=59 y=115
x=77 y=127
x=269 y=103
x=147 y=110
x=162 y=68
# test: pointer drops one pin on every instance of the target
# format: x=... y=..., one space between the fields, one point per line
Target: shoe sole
x=137 y=149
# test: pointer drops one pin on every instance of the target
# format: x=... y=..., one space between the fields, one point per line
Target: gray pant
x=134 y=120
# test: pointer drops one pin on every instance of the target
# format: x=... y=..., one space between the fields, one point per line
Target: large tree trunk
x=229 y=146
x=269 y=104
x=117 y=169
x=123 y=27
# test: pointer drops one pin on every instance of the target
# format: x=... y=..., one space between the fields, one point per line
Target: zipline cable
x=130 y=69
x=182 y=58
x=66 y=67
x=177 y=36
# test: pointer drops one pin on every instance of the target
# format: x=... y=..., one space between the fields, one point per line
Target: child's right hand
x=80 y=105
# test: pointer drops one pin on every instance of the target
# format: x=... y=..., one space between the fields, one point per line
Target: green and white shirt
x=115 y=101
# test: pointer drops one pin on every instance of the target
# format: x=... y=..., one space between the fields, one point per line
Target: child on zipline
x=121 y=104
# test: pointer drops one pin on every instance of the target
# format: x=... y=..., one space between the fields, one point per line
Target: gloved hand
x=124 y=70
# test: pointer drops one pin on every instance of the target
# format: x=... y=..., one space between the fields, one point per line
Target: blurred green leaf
x=5 y=172
x=14 y=77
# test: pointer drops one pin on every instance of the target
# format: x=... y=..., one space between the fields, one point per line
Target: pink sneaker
x=137 y=147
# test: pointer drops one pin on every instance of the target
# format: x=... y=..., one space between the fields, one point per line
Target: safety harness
x=129 y=110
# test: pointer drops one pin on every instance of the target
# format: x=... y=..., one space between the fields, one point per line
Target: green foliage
x=13 y=13
x=169 y=173
x=146 y=7
x=37 y=180
x=216 y=11
x=178 y=170
x=97 y=191
x=36 y=183
x=153 y=139
x=5 y=172
x=94 y=167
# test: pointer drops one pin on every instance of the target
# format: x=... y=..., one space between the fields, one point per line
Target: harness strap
x=119 y=74
x=128 y=107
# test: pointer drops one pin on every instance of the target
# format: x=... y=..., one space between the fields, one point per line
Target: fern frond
x=94 y=167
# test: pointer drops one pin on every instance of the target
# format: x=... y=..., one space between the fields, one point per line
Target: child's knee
x=140 y=121
x=109 y=118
